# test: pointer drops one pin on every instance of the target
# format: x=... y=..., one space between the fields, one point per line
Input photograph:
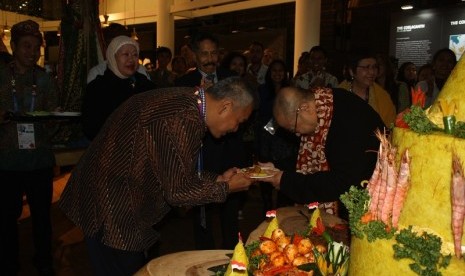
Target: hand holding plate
x=239 y=182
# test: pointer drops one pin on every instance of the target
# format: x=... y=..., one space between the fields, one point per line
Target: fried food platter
x=258 y=172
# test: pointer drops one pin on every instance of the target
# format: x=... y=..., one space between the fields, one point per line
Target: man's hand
x=239 y=182
x=226 y=176
x=275 y=180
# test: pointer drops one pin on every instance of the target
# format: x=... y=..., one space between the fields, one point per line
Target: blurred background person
x=162 y=76
x=178 y=66
x=407 y=74
x=268 y=56
x=363 y=69
x=425 y=73
x=237 y=62
x=444 y=61
x=119 y=82
x=302 y=66
x=5 y=56
x=386 y=77
x=188 y=54
x=317 y=75
x=255 y=67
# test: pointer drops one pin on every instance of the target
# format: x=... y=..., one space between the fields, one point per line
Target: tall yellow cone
x=239 y=261
x=452 y=92
x=274 y=224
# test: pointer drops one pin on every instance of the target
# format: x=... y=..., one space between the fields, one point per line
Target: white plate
x=66 y=113
x=38 y=113
x=189 y=263
x=265 y=172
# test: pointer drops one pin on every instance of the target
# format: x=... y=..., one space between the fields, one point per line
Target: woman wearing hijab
x=119 y=82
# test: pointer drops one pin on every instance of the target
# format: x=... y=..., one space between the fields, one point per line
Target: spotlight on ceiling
x=406 y=7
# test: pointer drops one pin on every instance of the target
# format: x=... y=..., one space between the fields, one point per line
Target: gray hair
x=236 y=89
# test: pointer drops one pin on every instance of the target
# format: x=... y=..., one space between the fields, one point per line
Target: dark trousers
x=108 y=261
x=203 y=236
x=37 y=186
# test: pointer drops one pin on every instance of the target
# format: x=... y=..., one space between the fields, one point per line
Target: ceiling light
x=105 y=22
x=406 y=7
x=134 y=34
x=234 y=31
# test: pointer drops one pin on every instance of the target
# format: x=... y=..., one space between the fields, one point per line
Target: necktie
x=211 y=77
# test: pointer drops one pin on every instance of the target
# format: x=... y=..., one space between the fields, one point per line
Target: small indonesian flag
x=313 y=205
x=271 y=214
x=238 y=265
x=239 y=261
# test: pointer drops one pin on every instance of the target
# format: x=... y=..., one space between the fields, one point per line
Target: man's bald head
x=288 y=100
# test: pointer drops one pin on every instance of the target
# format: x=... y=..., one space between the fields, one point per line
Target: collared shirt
x=205 y=75
x=260 y=74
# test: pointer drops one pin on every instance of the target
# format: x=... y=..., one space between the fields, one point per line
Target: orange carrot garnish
x=366 y=218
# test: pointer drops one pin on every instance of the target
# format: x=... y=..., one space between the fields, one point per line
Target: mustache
x=209 y=64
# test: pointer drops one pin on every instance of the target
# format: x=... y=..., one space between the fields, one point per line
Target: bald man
x=338 y=146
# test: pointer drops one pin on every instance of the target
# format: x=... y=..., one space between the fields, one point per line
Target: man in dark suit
x=205 y=47
x=218 y=154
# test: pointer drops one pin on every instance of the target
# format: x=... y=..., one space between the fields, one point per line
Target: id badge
x=26 y=137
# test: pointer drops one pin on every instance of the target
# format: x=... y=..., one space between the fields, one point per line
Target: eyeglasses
x=374 y=67
x=294 y=130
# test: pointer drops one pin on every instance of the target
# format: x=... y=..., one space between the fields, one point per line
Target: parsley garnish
x=424 y=250
x=355 y=201
x=418 y=121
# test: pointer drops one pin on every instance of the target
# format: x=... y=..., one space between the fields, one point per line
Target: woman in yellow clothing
x=363 y=69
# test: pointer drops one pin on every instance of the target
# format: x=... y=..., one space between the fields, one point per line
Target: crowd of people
x=176 y=133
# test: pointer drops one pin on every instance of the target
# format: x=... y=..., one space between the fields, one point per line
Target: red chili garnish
x=277 y=270
x=400 y=119
x=262 y=238
x=296 y=239
x=340 y=226
x=320 y=228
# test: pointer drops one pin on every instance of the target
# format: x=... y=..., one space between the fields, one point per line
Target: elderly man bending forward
x=143 y=161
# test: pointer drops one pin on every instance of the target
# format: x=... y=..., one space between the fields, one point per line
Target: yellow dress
x=380 y=100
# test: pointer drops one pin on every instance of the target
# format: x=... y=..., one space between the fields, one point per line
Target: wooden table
x=189 y=263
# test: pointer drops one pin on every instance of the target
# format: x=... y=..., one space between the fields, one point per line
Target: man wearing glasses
x=338 y=146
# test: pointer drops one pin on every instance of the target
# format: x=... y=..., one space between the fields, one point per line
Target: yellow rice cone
x=271 y=227
x=239 y=255
x=452 y=92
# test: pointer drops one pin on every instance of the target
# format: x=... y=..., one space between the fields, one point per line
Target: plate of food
x=66 y=113
x=258 y=172
x=38 y=113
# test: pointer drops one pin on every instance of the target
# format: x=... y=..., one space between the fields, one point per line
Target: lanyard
x=13 y=89
x=203 y=114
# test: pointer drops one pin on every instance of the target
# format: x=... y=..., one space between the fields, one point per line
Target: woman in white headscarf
x=119 y=82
